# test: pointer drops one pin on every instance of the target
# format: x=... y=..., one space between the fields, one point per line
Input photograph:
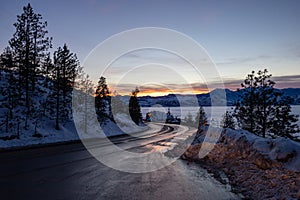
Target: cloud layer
x=290 y=81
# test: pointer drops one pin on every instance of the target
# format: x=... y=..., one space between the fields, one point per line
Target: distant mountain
x=173 y=100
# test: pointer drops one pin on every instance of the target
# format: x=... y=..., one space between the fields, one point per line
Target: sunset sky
x=239 y=36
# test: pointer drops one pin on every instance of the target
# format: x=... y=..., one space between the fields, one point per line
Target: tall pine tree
x=66 y=67
x=29 y=45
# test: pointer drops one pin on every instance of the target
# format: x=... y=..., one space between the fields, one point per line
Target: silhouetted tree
x=201 y=118
x=284 y=123
x=29 y=46
x=10 y=90
x=134 y=107
x=261 y=105
x=66 y=67
x=228 y=120
x=102 y=100
x=47 y=70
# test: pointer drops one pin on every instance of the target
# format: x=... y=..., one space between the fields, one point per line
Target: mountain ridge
x=173 y=100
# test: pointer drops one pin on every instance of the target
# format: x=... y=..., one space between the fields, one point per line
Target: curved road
x=70 y=172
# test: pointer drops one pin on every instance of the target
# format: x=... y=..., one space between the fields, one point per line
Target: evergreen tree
x=7 y=60
x=261 y=106
x=201 y=118
x=29 y=46
x=47 y=70
x=244 y=111
x=66 y=67
x=228 y=120
x=102 y=100
x=134 y=107
x=9 y=90
x=284 y=123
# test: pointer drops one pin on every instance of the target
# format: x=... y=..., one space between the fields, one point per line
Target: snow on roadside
x=259 y=168
x=282 y=150
x=68 y=132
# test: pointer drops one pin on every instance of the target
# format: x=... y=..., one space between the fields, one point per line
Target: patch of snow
x=282 y=150
x=68 y=132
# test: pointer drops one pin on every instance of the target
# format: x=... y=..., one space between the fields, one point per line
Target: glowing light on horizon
x=158 y=91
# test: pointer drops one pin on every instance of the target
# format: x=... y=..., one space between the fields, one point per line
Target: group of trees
x=104 y=101
x=35 y=84
x=262 y=109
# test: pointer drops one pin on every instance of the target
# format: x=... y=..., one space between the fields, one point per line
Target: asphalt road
x=71 y=172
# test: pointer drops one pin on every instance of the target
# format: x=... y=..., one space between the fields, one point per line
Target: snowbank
x=67 y=133
x=281 y=150
x=259 y=168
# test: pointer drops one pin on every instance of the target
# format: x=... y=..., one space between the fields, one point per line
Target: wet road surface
x=71 y=172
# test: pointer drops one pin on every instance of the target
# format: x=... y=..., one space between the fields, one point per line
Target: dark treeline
x=35 y=85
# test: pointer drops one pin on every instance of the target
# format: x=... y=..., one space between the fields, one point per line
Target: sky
x=237 y=37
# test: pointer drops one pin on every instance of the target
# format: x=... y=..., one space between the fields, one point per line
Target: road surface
x=71 y=172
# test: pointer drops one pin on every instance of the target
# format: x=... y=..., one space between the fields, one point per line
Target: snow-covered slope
x=259 y=168
x=68 y=133
x=18 y=129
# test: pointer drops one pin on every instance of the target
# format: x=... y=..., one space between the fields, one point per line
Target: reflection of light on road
x=161 y=146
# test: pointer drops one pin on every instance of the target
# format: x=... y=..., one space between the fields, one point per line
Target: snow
x=69 y=133
x=282 y=150
x=49 y=135
x=126 y=125
x=259 y=168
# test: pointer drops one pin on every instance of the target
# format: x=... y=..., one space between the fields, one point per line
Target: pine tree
x=134 y=107
x=244 y=111
x=260 y=106
x=66 y=67
x=47 y=70
x=29 y=45
x=102 y=100
x=10 y=90
x=201 y=118
x=228 y=120
x=7 y=60
x=284 y=123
